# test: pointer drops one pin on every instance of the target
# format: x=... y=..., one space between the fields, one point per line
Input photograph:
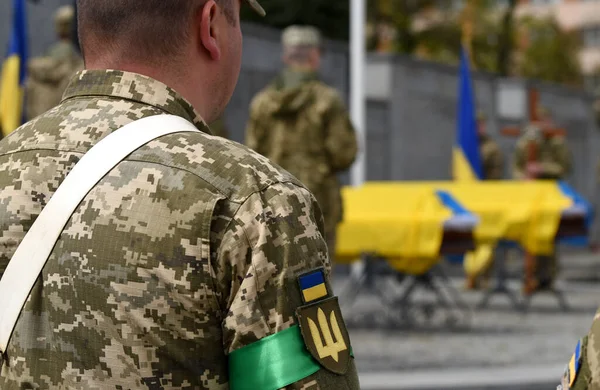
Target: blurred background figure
x=541 y=155
x=301 y=124
x=491 y=154
x=49 y=75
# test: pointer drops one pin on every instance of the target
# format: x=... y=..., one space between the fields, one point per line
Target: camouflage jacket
x=551 y=152
x=301 y=124
x=186 y=252
x=492 y=159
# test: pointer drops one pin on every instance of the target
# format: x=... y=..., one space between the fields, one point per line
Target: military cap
x=301 y=36
x=481 y=115
x=256 y=7
x=63 y=19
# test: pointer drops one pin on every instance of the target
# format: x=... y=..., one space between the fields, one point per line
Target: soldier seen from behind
x=195 y=263
x=301 y=124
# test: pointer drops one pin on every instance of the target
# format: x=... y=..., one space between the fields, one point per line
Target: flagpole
x=358 y=16
x=357 y=86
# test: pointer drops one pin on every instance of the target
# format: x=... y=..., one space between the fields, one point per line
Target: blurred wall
x=411 y=107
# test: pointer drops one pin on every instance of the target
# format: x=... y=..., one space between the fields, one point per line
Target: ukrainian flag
x=13 y=75
x=313 y=286
x=466 y=163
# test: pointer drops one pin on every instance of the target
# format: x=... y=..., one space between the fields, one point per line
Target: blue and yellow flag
x=14 y=70
x=466 y=163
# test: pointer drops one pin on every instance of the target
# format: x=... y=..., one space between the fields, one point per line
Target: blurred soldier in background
x=552 y=160
x=49 y=75
x=301 y=124
x=541 y=155
x=491 y=154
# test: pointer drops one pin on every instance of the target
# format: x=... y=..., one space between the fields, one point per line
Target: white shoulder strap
x=30 y=257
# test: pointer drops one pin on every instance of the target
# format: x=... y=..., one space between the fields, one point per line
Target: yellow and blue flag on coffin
x=466 y=164
x=13 y=74
x=313 y=286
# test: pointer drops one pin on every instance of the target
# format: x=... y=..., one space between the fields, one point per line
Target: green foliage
x=332 y=17
x=552 y=54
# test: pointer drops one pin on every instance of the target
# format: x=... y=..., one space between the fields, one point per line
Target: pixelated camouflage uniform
x=185 y=252
x=492 y=159
x=301 y=124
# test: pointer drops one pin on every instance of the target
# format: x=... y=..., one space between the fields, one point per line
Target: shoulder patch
x=313 y=286
x=572 y=369
x=325 y=334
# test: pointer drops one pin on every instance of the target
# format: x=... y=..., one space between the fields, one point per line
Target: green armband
x=271 y=363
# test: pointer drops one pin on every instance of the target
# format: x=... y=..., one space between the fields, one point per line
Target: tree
x=551 y=53
x=506 y=43
x=332 y=17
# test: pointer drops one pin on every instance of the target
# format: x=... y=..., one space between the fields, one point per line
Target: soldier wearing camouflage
x=553 y=159
x=186 y=266
x=49 y=76
x=552 y=162
x=301 y=124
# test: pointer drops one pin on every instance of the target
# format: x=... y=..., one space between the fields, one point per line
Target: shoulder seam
x=241 y=200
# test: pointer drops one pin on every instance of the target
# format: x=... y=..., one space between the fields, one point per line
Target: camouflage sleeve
x=341 y=141
x=255 y=131
x=274 y=238
x=561 y=164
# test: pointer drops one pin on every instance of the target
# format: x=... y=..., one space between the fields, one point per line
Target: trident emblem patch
x=325 y=335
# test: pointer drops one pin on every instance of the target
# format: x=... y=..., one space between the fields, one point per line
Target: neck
x=181 y=82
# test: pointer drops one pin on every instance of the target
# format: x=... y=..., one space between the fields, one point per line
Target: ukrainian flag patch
x=575 y=364
x=312 y=286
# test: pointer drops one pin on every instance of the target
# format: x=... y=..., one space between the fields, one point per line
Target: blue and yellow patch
x=572 y=368
x=575 y=364
x=312 y=286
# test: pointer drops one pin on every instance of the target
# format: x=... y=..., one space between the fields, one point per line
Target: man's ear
x=209 y=29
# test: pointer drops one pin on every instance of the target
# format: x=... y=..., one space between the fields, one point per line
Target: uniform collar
x=134 y=87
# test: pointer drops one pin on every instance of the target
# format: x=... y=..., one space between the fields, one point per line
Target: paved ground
x=498 y=343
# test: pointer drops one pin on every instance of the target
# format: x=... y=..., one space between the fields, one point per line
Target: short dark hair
x=144 y=29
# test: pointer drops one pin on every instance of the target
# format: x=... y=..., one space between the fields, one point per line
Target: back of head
x=193 y=46
x=145 y=29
